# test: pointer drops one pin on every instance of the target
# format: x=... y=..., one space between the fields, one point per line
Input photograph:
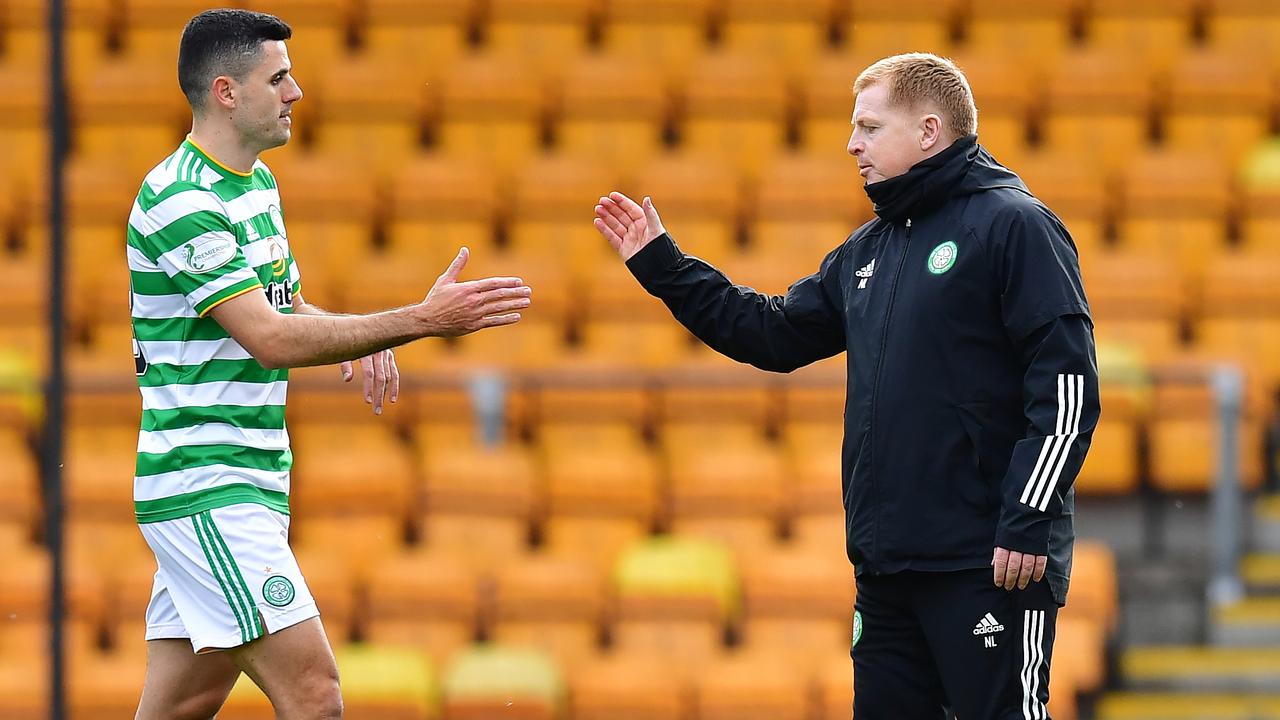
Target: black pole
x=55 y=390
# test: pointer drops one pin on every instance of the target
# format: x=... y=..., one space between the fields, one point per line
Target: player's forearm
x=310 y=338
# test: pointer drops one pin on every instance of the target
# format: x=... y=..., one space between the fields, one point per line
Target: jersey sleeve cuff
x=231 y=291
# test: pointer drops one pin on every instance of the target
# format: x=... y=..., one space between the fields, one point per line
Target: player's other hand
x=627 y=226
x=1011 y=568
x=381 y=378
x=455 y=308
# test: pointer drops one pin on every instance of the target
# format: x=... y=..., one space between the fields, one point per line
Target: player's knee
x=319 y=697
x=202 y=706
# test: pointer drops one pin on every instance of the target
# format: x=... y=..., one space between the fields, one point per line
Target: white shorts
x=226 y=577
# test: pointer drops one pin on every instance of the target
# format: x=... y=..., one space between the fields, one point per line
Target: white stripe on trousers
x=1057 y=447
x=1032 y=657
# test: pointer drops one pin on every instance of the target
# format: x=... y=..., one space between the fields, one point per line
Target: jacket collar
x=927 y=185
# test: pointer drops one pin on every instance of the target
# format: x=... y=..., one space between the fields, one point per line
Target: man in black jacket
x=972 y=395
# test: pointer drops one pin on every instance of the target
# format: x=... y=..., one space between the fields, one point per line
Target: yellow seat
x=1097 y=103
x=369 y=116
x=440 y=204
x=420 y=39
x=668 y=33
x=699 y=201
x=478 y=501
x=751 y=685
x=427 y=601
x=676 y=596
x=549 y=34
x=734 y=109
x=1214 y=109
x=597 y=116
x=1175 y=209
x=488 y=681
x=1030 y=35
x=489 y=108
x=798 y=605
x=884 y=29
x=626 y=686
x=807 y=204
x=789 y=34
x=554 y=604
x=1070 y=188
x=1152 y=32
x=1259 y=182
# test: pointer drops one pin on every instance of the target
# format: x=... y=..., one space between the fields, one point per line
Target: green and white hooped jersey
x=213 y=431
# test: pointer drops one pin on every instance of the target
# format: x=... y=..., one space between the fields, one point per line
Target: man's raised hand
x=627 y=226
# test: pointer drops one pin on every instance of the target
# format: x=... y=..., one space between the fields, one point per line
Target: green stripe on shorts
x=213 y=567
x=255 y=620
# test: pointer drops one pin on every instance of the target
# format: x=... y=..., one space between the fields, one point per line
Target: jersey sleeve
x=193 y=241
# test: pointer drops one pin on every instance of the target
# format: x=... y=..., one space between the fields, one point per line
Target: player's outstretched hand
x=381 y=378
x=455 y=308
x=627 y=226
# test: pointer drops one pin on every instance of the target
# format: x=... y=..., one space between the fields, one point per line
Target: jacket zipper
x=875 y=388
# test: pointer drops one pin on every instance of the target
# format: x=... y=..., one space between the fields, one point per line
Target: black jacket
x=972 y=392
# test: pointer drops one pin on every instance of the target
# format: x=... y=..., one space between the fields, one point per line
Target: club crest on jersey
x=210 y=254
x=943 y=257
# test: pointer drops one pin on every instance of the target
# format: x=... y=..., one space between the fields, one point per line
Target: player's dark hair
x=223 y=42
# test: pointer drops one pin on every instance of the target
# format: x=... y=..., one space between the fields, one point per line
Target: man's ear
x=930 y=131
x=222 y=94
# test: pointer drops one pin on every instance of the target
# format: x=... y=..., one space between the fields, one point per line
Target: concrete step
x=1202 y=669
x=1187 y=706
x=1253 y=621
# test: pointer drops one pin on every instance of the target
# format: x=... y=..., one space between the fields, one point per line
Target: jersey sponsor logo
x=280 y=293
x=865 y=273
x=857 y=629
x=943 y=257
x=210 y=254
x=278 y=591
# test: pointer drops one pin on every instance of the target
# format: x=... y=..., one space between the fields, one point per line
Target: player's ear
x=222 y=93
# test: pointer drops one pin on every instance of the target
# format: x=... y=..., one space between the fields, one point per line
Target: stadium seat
x=788 y=34
x=396 y=683
x=602 y=489
x=1028 y=35
x=632 y=344
x=487 y=681
x=1213 y=109
x=611 y=109
x=1070 y=188
x=320 y=32
x=1097 y=103
x=543 y=269
x=22 y=129
x=807 y=204
x=20 y=477
x=548 y=34
x=535 y=343
x=100 y=459
x=1259 y=195
x=478 y=500
x=89 y=29
x=670 y=33
x=425 y=600
x=1176 y=204
x=734 y=108
x=1111 y=467
x=676 y=596
x=1184 y=451
x=1245 y=26
x=439 y=204
x=752 y=685
x=812 y=439
x=883 y=29
x=834 y=689
x=1003 y=94
x=550 y=204
x=1137 y=300
x=330 y=208
x=631 y=686
x=1152 y=32
x=798 y=606
x=824 y=102
x=554 y=604
x=24 y=688
x=369 y=116
x=153 y=28
x=334 y=587
x=698 y=197
x=490 y=109
x=424 y=39
x=103 y=685
x=1095 y=591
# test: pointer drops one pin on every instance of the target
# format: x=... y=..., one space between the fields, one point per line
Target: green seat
x=673 y=566
x=485 y=680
